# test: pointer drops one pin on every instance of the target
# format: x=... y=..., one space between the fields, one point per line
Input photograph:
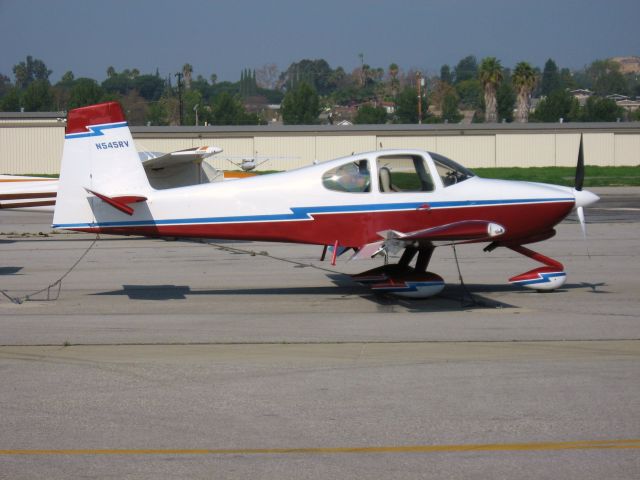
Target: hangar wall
x=32 y=143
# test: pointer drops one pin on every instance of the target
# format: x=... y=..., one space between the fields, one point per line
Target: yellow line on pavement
x=491 y=447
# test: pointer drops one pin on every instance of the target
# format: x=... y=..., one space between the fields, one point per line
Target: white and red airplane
x=375 y=202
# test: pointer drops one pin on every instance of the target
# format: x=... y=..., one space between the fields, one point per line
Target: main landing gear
x=403 y=280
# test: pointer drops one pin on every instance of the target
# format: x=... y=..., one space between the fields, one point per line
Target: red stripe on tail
x=80 y=118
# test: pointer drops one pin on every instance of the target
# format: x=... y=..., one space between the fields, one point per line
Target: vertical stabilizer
x=99 y=156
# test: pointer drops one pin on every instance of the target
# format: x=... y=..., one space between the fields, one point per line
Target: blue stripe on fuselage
x=306 y=213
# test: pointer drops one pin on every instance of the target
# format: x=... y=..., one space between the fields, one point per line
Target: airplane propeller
x=583 y=197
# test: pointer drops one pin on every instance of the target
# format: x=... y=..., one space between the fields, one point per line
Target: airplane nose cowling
x=584 y=198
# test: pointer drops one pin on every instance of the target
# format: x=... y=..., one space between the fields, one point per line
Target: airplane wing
x=457 y=232
x=181 y=157
x=476 y=230
x=35 y=193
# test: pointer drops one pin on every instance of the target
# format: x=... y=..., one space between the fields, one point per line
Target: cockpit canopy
x=397 y=172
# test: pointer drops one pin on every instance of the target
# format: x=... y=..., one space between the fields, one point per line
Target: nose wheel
x=546 y=278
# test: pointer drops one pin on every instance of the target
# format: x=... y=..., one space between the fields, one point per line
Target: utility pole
x=419 y=84
x=179 y=75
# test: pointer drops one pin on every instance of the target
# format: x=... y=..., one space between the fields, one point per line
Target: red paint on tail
x=80 y=118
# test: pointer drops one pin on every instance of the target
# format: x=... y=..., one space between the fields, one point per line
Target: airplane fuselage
x=297 y=206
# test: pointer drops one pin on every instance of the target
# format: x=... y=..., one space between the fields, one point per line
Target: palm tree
x=393 y=73
x=187 y=70
x=524 y=79
x=490 y=74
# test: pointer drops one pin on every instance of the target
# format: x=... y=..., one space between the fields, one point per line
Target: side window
x=401 y=173
x=354 y=177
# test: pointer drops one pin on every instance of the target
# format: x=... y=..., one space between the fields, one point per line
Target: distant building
x=337 y=114
x=581 y=94
x=390 y=107
x=617 y=97
x=629 y=105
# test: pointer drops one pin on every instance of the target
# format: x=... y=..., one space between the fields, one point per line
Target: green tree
x=446 y=75
x=316 y=73
x=505 y=101
x=85 y=91
x=38 y=97
x=191 y=99
x=450 y=112
x=368 y=114
x=150 y=87
x=601 y=110
x=120 y=83
x=490 y=74
x=407 y=106
x=470 y=93
x=550 y=78
x=301 y=105
x=606 y=78
x=67 y=80
x=158 y=113
x=30 y=71
x=466 y=69
x=11 y=101
x=523 y=79
x=248 y=84
x=5 y=85
x=558 y=104
x=566 y=79
x=227 y=110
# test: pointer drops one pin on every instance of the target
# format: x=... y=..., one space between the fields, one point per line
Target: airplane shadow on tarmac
x=10 y=270
x=448 y=300
x=454 y=297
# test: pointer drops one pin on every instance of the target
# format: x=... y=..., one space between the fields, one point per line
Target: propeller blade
x=580 y=168
x=583 y=226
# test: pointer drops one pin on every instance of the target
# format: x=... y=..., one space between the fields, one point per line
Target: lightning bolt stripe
x=542 y=278
x=95 y=130
x=306 y=213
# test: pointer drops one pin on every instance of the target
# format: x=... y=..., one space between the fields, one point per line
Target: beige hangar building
x=31 y=143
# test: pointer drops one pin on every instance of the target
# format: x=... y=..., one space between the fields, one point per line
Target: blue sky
x=223 y=37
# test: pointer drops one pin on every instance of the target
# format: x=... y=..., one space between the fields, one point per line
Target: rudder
x=99 y=156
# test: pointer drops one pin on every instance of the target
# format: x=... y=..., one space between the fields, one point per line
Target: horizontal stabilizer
x=121 y=202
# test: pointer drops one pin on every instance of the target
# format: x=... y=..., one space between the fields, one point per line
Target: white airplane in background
x=383 y=201
x=250 y=163
x=164 y=170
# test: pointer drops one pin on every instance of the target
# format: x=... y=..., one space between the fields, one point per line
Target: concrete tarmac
x=161 y=359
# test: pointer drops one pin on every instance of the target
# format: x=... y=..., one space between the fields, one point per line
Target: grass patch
x=593 y=176
x=47 y=175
